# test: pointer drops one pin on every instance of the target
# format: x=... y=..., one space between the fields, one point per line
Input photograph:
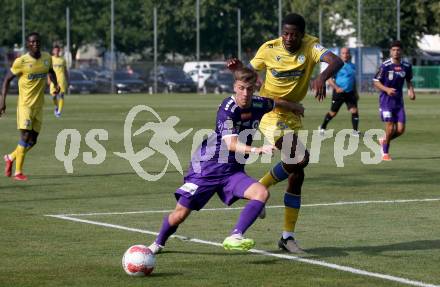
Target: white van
x=190 y=66
x=201 y=71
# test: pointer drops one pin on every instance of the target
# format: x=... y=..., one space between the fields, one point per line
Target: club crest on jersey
x=46 y=62
x=301 y=59
x=278 y=58
x=390 y=75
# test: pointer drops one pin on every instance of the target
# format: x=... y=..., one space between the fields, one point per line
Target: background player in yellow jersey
x=32 y=70
x=289 y=61
x=60 y=68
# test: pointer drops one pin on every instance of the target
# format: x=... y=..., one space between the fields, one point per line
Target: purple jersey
x=212 y=160
x=393 y=76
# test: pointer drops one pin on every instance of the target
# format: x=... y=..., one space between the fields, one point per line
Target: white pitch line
x=269 y=206
x=262 y=252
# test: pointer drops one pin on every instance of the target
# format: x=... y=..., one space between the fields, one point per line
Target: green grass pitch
x=378 y=240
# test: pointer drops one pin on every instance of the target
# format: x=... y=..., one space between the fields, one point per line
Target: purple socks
x=248 y=216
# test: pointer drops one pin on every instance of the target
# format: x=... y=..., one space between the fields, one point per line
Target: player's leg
x=352 y=106
x=60 y=104
x=400 y=125
x=334 y=109
x=292 y=197
x=20 y=153
x=169 y=226
x=390 y=128
x=190 y=196
x=54 y=98
x=240 y=185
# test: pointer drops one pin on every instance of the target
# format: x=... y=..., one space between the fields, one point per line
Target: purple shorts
x=396 y=115
x=196 y=192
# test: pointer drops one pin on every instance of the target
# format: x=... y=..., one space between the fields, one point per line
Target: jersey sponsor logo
x=189 y=187
x=301 y=59
x=318 y=47
x=287 y=74
x=257 y=105
x=37 y=76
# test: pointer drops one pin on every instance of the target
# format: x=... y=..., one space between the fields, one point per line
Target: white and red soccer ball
x=138 y=260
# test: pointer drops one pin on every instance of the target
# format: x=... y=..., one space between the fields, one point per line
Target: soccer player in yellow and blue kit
x=289 y=61
x=32 y=70
x=60 y=68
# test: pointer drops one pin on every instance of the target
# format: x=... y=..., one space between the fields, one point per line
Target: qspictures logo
x=162 y=136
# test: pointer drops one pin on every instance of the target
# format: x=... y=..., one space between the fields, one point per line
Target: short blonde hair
x=245 y=75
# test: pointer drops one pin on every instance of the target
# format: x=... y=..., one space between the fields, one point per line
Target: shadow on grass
x=322 y=252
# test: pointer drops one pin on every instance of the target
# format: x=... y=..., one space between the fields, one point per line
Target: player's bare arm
x=5 y=88
x=234 y=145
x=295 y=108
x=334 y=64
x=411 y=93
x=390 y=91
x=53 y=79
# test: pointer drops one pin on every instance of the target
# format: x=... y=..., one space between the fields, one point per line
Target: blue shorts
x=197 y=191
x=396 y=115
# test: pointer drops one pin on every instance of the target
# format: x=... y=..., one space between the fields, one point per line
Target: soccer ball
x=138 y=260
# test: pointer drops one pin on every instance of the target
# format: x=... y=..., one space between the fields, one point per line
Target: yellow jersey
x=59 y=67
x=287 y=74
x=32 y=75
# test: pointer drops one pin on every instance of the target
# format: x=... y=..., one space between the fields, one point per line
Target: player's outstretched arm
x=5 y=88
x=234 y=145
x=334 y=64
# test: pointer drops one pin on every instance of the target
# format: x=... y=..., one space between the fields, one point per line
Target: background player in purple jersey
x=389 y=80
x=217 y=168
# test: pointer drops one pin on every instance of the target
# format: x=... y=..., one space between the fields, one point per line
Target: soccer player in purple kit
x=389 y=80
x=216 y=167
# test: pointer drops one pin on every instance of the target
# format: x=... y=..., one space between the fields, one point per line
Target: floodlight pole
x=320 y=24
x=398 y=19
x=239 y=33
x=23 y=32
x=112 y=47
x=155 y=48
x=198 y=40
x=67 y=53
x=280 y=10
x=359 y=44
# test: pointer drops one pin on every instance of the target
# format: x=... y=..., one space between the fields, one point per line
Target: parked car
x=220 y=82
x=201 y=75
x=79 y=84
x=123 y=82
x=172 y=79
